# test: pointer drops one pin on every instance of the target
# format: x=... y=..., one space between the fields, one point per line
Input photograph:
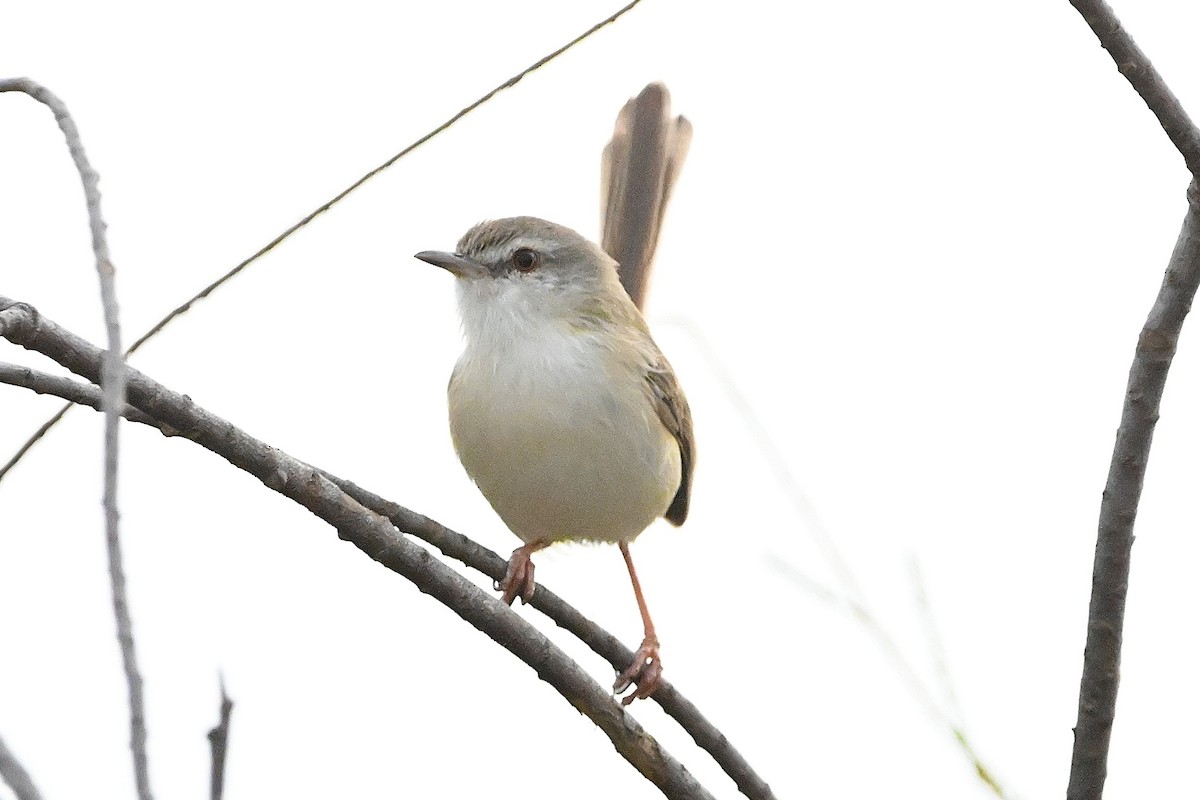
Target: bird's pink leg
x=518 y=578
x=646 y=669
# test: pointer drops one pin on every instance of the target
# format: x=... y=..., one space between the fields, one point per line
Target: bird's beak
x=452 y=262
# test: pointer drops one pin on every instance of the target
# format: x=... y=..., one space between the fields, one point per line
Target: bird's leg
x=646 y=669
x=518 y=578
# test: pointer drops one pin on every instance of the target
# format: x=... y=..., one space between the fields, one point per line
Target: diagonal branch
x=15 y=776
x=1141 y=74
x=113 y=384
x=1131 y=452
x=371 y=533
x=453 y=544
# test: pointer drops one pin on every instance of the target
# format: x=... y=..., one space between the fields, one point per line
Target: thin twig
x=768 y=446
x=372 y=534
x=1131 y=452
x=113 y=385
x=954 y=716
x=15 y=775
x=37 y=435
x=74 y=392
x=218 y=743
x=271 y=245
x=848 y=593
x=472 y=554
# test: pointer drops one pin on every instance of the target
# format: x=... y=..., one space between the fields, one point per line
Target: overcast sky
x=901 y=281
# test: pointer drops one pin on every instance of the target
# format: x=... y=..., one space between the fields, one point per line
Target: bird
x=562 y=409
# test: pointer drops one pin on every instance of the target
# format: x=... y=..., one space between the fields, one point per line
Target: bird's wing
x=672 y=408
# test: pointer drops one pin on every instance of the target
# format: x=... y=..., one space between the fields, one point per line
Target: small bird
x=562 y=408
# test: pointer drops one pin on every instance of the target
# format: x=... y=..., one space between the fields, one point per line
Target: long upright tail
x=638 y=169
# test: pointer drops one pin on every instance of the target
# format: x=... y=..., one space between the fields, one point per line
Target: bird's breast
x=561 y=437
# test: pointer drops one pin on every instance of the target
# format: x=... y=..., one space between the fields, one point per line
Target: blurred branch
x=14 y=774
x=846 y=594
x=218 y=743
x=1131 y=452
x=371 y=533
x=953 y=715
x=112 y=381
x=271 y=245
x=472 y=554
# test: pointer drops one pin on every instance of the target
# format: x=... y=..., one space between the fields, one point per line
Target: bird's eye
x=525 y=259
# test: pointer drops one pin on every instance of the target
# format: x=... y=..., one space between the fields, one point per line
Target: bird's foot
x=645 y=671
x=518 y=578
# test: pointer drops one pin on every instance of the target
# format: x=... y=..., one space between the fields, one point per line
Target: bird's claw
x=645 y=671
x=518 y=578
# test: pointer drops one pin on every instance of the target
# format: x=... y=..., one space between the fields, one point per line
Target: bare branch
x=371 y=533
x=461 y=548
x=218 y=742
x=15 y=775
x=66 y=388
x=1131 y=452
x=603 y=643
x=1118 y=509
x=1141 y=74
x=113 y=385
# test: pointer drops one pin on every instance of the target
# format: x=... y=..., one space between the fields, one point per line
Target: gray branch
x=218 y=744
x=371 y=533
x=113 y=384
x=14 y=774
x=1143 y=395
x=457 y=546
x=1141 y=74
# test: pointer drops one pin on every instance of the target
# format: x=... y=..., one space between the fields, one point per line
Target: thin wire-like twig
x=218 y=743
x=113 y=385
x=954 y=716
x=371 y=533
x=271 y=245
x=847 y=592
x=1156 y=346
x=15 y=775
x=457 y=546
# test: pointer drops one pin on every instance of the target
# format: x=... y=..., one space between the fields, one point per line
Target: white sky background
x=921 y=238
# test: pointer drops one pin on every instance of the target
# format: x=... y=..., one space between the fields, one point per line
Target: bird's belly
x=559 y=455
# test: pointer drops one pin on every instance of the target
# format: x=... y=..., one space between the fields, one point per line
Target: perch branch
x=472 y=554
x=371 y=533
